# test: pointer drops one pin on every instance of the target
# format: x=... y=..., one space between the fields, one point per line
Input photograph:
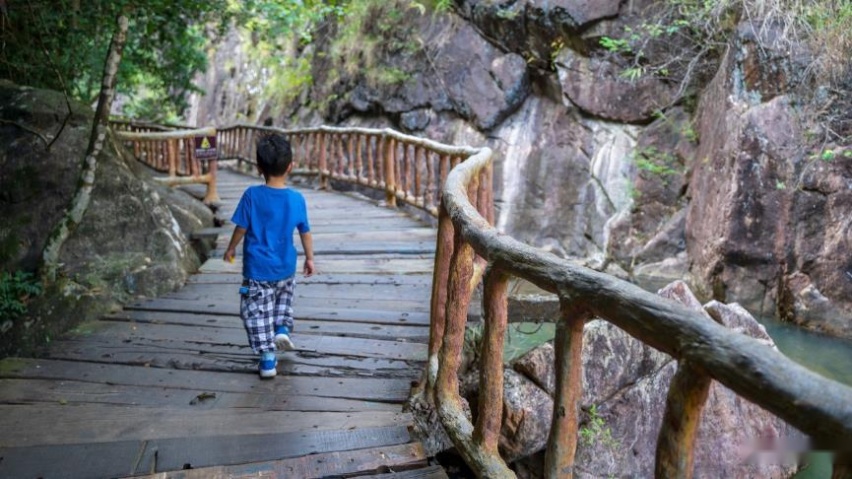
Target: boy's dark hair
x=274 y=154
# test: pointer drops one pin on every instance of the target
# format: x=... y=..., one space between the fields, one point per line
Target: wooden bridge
x=169 y=384
x=167 y=387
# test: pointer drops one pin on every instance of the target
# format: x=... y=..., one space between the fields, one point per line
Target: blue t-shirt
x=270 y=215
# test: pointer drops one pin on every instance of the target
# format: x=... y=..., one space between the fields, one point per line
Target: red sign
x=205 y=147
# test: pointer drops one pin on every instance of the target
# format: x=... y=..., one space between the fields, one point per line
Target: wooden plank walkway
x=168 y=388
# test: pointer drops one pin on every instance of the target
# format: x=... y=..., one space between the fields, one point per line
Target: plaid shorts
x=263 y=308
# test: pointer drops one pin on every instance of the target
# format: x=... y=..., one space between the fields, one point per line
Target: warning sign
x=205 y=147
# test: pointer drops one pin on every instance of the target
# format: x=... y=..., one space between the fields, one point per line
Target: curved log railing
x=170 y=150
x=704 y=349
x=412 y=170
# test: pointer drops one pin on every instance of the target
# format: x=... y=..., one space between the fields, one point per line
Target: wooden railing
x=408 y=169
x=170 y=150
x=704 y=349
x=455 y=184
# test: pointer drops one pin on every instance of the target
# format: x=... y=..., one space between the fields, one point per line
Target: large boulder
x=625 y=383
x=597 y=86
x=129 y=242
x=531 y=28
x=459 y=72
x=768 y=224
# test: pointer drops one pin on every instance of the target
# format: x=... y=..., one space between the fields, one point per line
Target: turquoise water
x=830 y=357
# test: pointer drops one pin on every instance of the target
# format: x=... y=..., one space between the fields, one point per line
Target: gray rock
x=128 y=243
x=415 y=120
x=767 y=225
x=597 y=87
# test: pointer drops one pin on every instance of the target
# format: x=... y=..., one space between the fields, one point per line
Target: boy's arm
x=308 y=246
x=239 y=232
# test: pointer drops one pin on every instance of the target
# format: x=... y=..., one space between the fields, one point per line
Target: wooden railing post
x=212 y=195
x=438 y=303
x=676 y=441
x=562 y=442
x=389 y=171
x=323 y=165
x=495 y=306
x=172 y=153
x=458 y=300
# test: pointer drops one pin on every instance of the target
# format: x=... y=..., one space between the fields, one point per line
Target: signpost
x=205 y=147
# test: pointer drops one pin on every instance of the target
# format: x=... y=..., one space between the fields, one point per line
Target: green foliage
x=655 y=161
x=56 y=43
x=443 y=5
x=370 y=33
x=596 y=431
x=616 y=45
x=16 y=290
x=683 y=40
x=62 y=43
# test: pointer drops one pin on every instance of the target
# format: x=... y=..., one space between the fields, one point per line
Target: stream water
x=830 y=357
x=825 y=355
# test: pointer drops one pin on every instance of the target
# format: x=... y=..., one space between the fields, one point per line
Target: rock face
x=768 y=225
x=129 y=242
x=597 y=87
x=624 y=393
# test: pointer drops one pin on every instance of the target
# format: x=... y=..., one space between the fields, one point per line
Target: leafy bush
x=16 y=290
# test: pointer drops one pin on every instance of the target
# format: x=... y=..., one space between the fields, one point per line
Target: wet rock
x=415 y=120
x=484 y=85
x=653 y=229
x=597 y=87
x=530 y=28
x=802 y=302
x=656 y=275
x=768 y=224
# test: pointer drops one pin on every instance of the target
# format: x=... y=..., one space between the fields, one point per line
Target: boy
x=267 y=216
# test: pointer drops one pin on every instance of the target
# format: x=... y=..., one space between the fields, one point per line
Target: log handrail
x=454 y=184
x=815 y=405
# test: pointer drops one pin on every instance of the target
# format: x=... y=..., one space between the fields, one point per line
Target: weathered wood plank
x=34 y=425
x=73 y=393
x=290 y=364
x=231 y=340
x=422 y=280
x=412 y=333
x=196 y=292
x=431 y=472
x=121 y=458
x=201 y=304
x=375 y=389
x=354 y=265
x=228 y=308
x=325 y=465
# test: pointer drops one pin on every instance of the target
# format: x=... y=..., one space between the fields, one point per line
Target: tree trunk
x=80 y=203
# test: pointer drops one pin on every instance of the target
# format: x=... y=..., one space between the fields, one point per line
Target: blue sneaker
x=267 y=365
x=282 y=339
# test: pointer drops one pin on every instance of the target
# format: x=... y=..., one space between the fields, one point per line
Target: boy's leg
x=257 y=310
x=284 y=313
